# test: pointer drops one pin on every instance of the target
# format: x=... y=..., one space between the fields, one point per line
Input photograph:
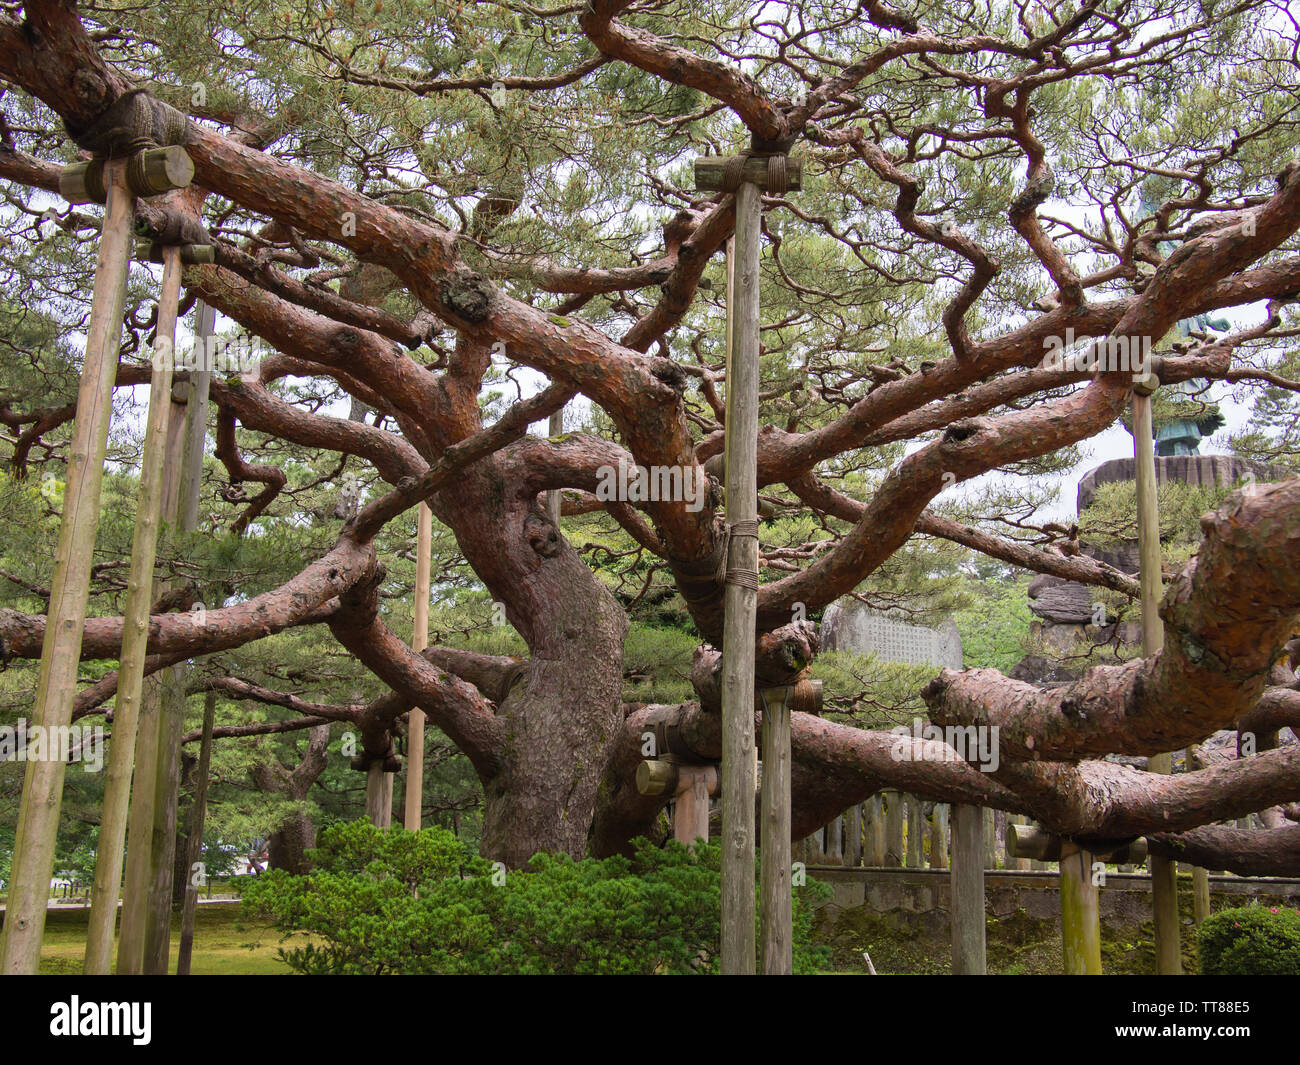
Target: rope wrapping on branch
x=130 y=124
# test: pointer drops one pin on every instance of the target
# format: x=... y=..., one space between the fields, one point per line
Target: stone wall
x=921 y=899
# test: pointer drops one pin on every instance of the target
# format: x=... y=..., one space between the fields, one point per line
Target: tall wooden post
x=139 y=597
x=419 y=641
x=835 y=841
x=189 y=909
x=939 y=836
x=181 y=507
x=1164 y=873
x=38 y=818
x=774 y=857
x=876 y=830
x=968 y=942
x=1080 y=912
x=894 y=828
x=554 y=427
x=915 y=833
x=853 y=836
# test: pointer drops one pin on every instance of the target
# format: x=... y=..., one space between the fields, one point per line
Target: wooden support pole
x=990 y=840
x=554 y=427
x=968 y=942
x=197 y=816
x=1080 y=912
x=413 y=814
x=139 y=838
x=893 y=828
x=835 y=840
x=181 y=489
x=1200 y=895
x=876 y=830
x=853 y=836
x=38 y=817
x=741 y=600
x=1164 y=874
x=915 y=833
x=774 y=856
x=160 y=726
x=939 y=836
x=139 y=596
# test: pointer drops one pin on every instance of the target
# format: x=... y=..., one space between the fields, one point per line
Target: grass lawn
x=223 y=944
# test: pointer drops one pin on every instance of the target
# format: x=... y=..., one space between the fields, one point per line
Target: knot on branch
x=670 y=374
x=468 y=296
x=963 y=430
x=1036 y=192
x=542 y=536
x=131 y=123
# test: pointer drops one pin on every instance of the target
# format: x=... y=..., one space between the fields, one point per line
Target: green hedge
x=403 y=902
x=1251 y=941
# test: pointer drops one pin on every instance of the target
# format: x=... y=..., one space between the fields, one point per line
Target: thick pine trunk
x=290 y=842
x=565 y=711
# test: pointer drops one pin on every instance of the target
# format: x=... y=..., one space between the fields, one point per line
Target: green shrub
x=1251 y=941
x=402 y=902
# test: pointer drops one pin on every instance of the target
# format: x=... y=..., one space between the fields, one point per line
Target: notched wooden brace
x=711 y=172
x=148 y=173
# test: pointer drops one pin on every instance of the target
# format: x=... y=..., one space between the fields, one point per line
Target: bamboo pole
x=775 y=856
x=190 y=908
x=38 y=818
x=139 y=597
x=412 y=814
x=1164 y=873
x=738 y=750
